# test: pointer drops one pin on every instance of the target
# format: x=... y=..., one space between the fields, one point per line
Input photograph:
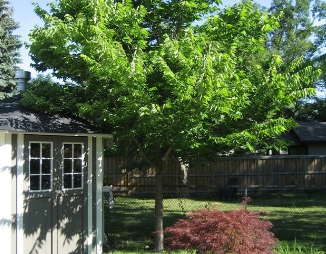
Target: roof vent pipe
x=22 y=78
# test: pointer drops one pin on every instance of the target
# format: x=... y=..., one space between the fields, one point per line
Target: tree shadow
x=53 y=223
x=300 y=217
x=54 y=219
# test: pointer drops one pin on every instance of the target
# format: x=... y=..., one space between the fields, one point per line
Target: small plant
x=297 y=248
x=215 y=231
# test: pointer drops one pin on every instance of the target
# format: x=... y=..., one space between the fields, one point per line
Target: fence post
x=258 y=171
x=246 y=198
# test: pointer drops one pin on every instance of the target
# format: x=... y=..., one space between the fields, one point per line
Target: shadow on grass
x=297 y=216
x=297 y=226
x=130 y=224
x=130 y=220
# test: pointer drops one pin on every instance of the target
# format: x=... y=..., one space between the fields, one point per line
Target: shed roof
x=311 y=131
x=15 y=117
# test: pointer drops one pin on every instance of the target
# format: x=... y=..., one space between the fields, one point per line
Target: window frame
x=40 y=158
x=72 y=173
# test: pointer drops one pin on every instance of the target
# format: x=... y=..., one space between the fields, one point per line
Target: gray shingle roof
x=311 y=131
x=15 y=117
x=291 y=137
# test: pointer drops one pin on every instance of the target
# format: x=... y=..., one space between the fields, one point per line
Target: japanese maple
x=215 y=231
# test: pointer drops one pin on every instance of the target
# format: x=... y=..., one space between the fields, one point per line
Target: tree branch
x=141 y=150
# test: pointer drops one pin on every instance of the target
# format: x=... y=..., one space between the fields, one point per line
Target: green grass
x=297 y=247
x=299 y=219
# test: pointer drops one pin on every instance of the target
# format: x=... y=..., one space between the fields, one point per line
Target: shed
x=308 y=138
x=51 y=177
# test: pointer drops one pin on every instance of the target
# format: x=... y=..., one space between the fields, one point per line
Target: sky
x=24 y=14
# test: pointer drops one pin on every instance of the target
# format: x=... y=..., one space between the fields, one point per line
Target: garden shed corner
x=51 y=178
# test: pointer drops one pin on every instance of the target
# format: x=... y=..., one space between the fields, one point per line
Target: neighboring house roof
x=15 y=117
x=311 y=131
x=291 y=137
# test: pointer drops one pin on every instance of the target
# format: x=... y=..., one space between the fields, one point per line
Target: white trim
x=89 y=197
x=5 y=193
x=99 y=202
x=20 y=193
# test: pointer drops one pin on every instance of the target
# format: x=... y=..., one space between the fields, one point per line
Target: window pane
x=34 y=166
x=77 y=180
x=67 y=181
x=46 y=166
x=35 y=182
x=67 y=164
x=67 y=153
x=77 y=150
x=46 y=150
x=40 y=166
x=46 y=182
x=77 y=166
x=35 y=150
x=72 y=165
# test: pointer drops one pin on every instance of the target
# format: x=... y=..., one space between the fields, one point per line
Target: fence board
x=263 y=171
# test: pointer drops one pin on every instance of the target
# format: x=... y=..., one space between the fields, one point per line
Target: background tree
x=186 y=96
x=9 y=55
x=311 y=110
x=301 y=33
x=293 y=38
x=40 y=92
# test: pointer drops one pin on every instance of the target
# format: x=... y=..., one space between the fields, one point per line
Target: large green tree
x=302 y=33
x=294 y=37
x=176 y=93
x=9 y=54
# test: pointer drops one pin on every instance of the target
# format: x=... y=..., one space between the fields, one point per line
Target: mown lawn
x=299 y=219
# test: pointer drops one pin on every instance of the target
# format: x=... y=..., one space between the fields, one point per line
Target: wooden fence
x=261 y=172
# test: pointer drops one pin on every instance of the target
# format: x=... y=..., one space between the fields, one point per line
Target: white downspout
x=90 y=196
x=99 y=201
x=20 y=193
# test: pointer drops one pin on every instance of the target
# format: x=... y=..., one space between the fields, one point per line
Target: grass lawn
x=299 y=219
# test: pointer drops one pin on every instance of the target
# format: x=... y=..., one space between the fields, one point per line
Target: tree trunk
x=159 y=237
x=159 y=246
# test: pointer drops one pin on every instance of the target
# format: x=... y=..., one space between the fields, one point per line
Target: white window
x=72 y=174
x=40 y=166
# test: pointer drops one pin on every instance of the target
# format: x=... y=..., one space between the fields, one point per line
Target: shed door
x=55 y=187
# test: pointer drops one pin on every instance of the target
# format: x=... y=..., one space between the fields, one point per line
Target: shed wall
x=5 y=194
x=317 y=149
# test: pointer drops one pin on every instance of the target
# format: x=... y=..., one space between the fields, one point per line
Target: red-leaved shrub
x=215 y=231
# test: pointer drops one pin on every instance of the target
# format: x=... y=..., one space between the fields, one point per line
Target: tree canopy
x=302 y=33
x=175 y=90
x=9 y=46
